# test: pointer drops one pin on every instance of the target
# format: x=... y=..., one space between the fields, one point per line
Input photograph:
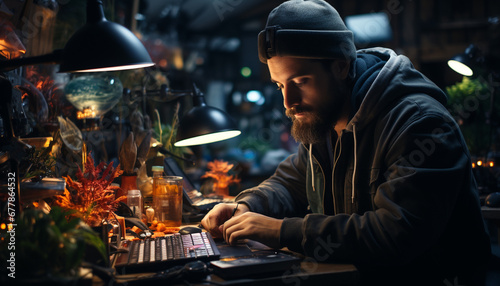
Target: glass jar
x=134 y=201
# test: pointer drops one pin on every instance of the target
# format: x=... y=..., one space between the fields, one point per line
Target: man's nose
x=291 y=96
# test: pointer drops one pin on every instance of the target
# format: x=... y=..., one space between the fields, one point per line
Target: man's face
x=314 y=96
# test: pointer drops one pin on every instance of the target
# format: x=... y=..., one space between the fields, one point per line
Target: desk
x=493 y=215
x=310 y=272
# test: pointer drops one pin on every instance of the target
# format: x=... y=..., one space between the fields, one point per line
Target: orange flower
x=219 y=172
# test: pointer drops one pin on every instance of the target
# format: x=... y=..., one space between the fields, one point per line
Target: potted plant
x=48 y=248
x=218 y=171
x=91 y=196
x=470 y=102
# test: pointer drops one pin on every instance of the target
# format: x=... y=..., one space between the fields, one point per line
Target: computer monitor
x=369 y=29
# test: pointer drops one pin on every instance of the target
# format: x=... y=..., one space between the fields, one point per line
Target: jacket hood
x=395 y=79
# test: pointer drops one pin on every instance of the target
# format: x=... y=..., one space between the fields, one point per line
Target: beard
x=319 y=122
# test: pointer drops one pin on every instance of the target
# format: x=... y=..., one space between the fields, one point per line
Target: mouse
x=493 y=200
x=189 y=230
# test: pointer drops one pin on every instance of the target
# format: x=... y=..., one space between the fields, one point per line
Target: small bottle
x=148 y=198
x=150 y=214
x=134 y=201
x=157 y=173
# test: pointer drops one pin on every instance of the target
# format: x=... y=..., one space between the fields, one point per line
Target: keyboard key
x=170 y=247
x=140 y=256
x=152 y=248
x=163 y=249
x=147 y=251
x=158 y=249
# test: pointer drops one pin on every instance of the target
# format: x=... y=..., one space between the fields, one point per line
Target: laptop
x=194 y=202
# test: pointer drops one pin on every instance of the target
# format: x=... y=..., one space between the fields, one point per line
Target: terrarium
x=94 y=94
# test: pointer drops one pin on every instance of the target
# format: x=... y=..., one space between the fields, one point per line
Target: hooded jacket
x=394 y=194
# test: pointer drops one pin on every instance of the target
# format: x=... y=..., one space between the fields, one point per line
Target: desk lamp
x=472 y=62
x=466 y=62
x=204 y=124
x=98 y=46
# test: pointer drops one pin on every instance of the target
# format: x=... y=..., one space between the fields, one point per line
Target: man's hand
x=254 y=226
x=220 y=214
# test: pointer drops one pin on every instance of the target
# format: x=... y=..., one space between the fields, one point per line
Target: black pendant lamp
x=102 y=45
x=99 y=46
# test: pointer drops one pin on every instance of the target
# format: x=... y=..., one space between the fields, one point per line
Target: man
x=382 y=178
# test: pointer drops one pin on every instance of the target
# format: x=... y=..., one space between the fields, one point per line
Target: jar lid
x=157 y=168
x=134 y=192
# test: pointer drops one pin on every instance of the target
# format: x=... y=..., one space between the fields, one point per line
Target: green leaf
x=50 y=244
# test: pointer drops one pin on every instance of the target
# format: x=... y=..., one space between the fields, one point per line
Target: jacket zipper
x=333 y=172
x=323 y=176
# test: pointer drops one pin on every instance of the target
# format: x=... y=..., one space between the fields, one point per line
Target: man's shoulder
x=424 y=102
x=414 y=108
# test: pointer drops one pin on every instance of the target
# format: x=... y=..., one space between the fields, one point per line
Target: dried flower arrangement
x=218 y=170
x=91 y=196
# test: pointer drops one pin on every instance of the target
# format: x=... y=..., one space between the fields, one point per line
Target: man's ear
x=340 y=68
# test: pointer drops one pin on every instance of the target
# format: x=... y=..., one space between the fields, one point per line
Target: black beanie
x=306 y=29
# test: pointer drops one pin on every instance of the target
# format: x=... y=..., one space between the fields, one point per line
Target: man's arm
x=284 y=193
x=413 y=204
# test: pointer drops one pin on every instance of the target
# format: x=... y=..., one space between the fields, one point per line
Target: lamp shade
x=469 y=62
x=102 y=45
x=204 y=124
x=461 y=63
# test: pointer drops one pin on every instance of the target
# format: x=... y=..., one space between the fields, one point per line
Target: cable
x=195 y=271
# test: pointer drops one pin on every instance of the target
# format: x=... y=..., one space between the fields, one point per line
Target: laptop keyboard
x=160 y=252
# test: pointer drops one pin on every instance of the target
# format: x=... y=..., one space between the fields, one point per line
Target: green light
x=246 y=71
